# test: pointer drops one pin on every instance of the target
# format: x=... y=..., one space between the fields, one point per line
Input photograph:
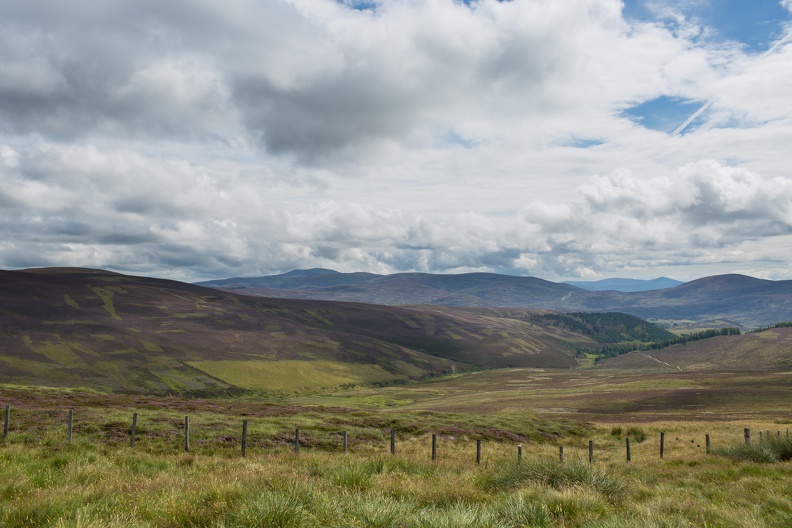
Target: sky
x=198 y=139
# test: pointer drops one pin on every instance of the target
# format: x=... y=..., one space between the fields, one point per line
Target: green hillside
x=768 y=350
x=77 y=327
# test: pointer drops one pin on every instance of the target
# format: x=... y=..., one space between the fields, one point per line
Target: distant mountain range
x=723 y=300
x=626 y=285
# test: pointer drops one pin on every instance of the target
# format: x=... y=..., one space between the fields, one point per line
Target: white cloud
x=199 y=139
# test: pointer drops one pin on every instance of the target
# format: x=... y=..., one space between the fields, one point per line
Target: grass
x=767 y=450
x=88 y=484
x=98 y=480
x=586 y=395
x=291 y=375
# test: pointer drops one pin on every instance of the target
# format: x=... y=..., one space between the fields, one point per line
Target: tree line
x=623 y=348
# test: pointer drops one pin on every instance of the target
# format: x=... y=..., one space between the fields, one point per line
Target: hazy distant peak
x=313 y=272
x=626 y=285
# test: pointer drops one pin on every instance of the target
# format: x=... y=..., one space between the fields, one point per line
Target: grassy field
x=99 y=480
x=588 y=395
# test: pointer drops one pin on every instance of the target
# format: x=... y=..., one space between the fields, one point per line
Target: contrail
x=690 y=119
x=706 y=105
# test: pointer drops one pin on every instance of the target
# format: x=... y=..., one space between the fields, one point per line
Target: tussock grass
x=556 y=475
x=99 y=481
x=768 y=450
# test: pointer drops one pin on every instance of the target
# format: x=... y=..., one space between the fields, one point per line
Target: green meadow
x=98 y=479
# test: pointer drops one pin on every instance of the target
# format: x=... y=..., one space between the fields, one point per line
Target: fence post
x=344 y=442
x=7 y=421
x=393 y=441
x=434 y=447
x=519 y=453
x=560 y=454
x=747 y=434
x=296 y=441
x=627 y=444
x=133 y=431
x=478 y=451
x=244 y=437
x=707 y=441
x=662 y=444
x=591 y=451
x=761 y=438
x=186 y=434
x=70 y=423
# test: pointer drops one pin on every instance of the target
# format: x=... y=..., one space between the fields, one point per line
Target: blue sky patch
x=583 y=143
x=359 y=5
x=664 y=114
x=755 y=24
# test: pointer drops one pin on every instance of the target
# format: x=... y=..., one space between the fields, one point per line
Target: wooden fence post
x=519 y=453
x=591 y=451
x=627 y=445
x=297 y=441
x=186 y=434
x=761 y=438
x=560 y=454
x=747 y=434
x=662 y=444
x=70 y=423
x=393 y=442
x=7 y=421
x=344 y=442
x=133 y=431
x=478 y=451
x=707 y=441
x=244 y=437
x=434 y=447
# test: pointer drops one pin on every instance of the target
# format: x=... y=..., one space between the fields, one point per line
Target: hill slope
x=733 y=300
x=769 y=350
x=77 y=327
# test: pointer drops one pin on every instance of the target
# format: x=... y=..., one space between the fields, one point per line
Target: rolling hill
x=723 y=300
x=117 y=333
x=768 y=350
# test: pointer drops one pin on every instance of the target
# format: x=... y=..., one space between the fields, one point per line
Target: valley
x=104 y=347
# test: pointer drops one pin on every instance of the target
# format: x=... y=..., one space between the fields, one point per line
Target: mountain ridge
x=626 y=285
x=720 y=300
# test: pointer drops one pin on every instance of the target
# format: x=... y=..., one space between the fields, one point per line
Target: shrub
x=637 y=434
x=616 y=431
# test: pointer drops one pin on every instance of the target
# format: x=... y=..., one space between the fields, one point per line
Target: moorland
x=106 y=346
x=722 y=300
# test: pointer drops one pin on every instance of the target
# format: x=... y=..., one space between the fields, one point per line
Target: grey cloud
x=129 y=239
x=309 y=84
x=251 y=137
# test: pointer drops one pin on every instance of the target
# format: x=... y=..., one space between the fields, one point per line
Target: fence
x=343 y=446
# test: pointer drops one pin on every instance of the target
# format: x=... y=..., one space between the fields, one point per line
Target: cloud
x=313 y=79
x=194 y=139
